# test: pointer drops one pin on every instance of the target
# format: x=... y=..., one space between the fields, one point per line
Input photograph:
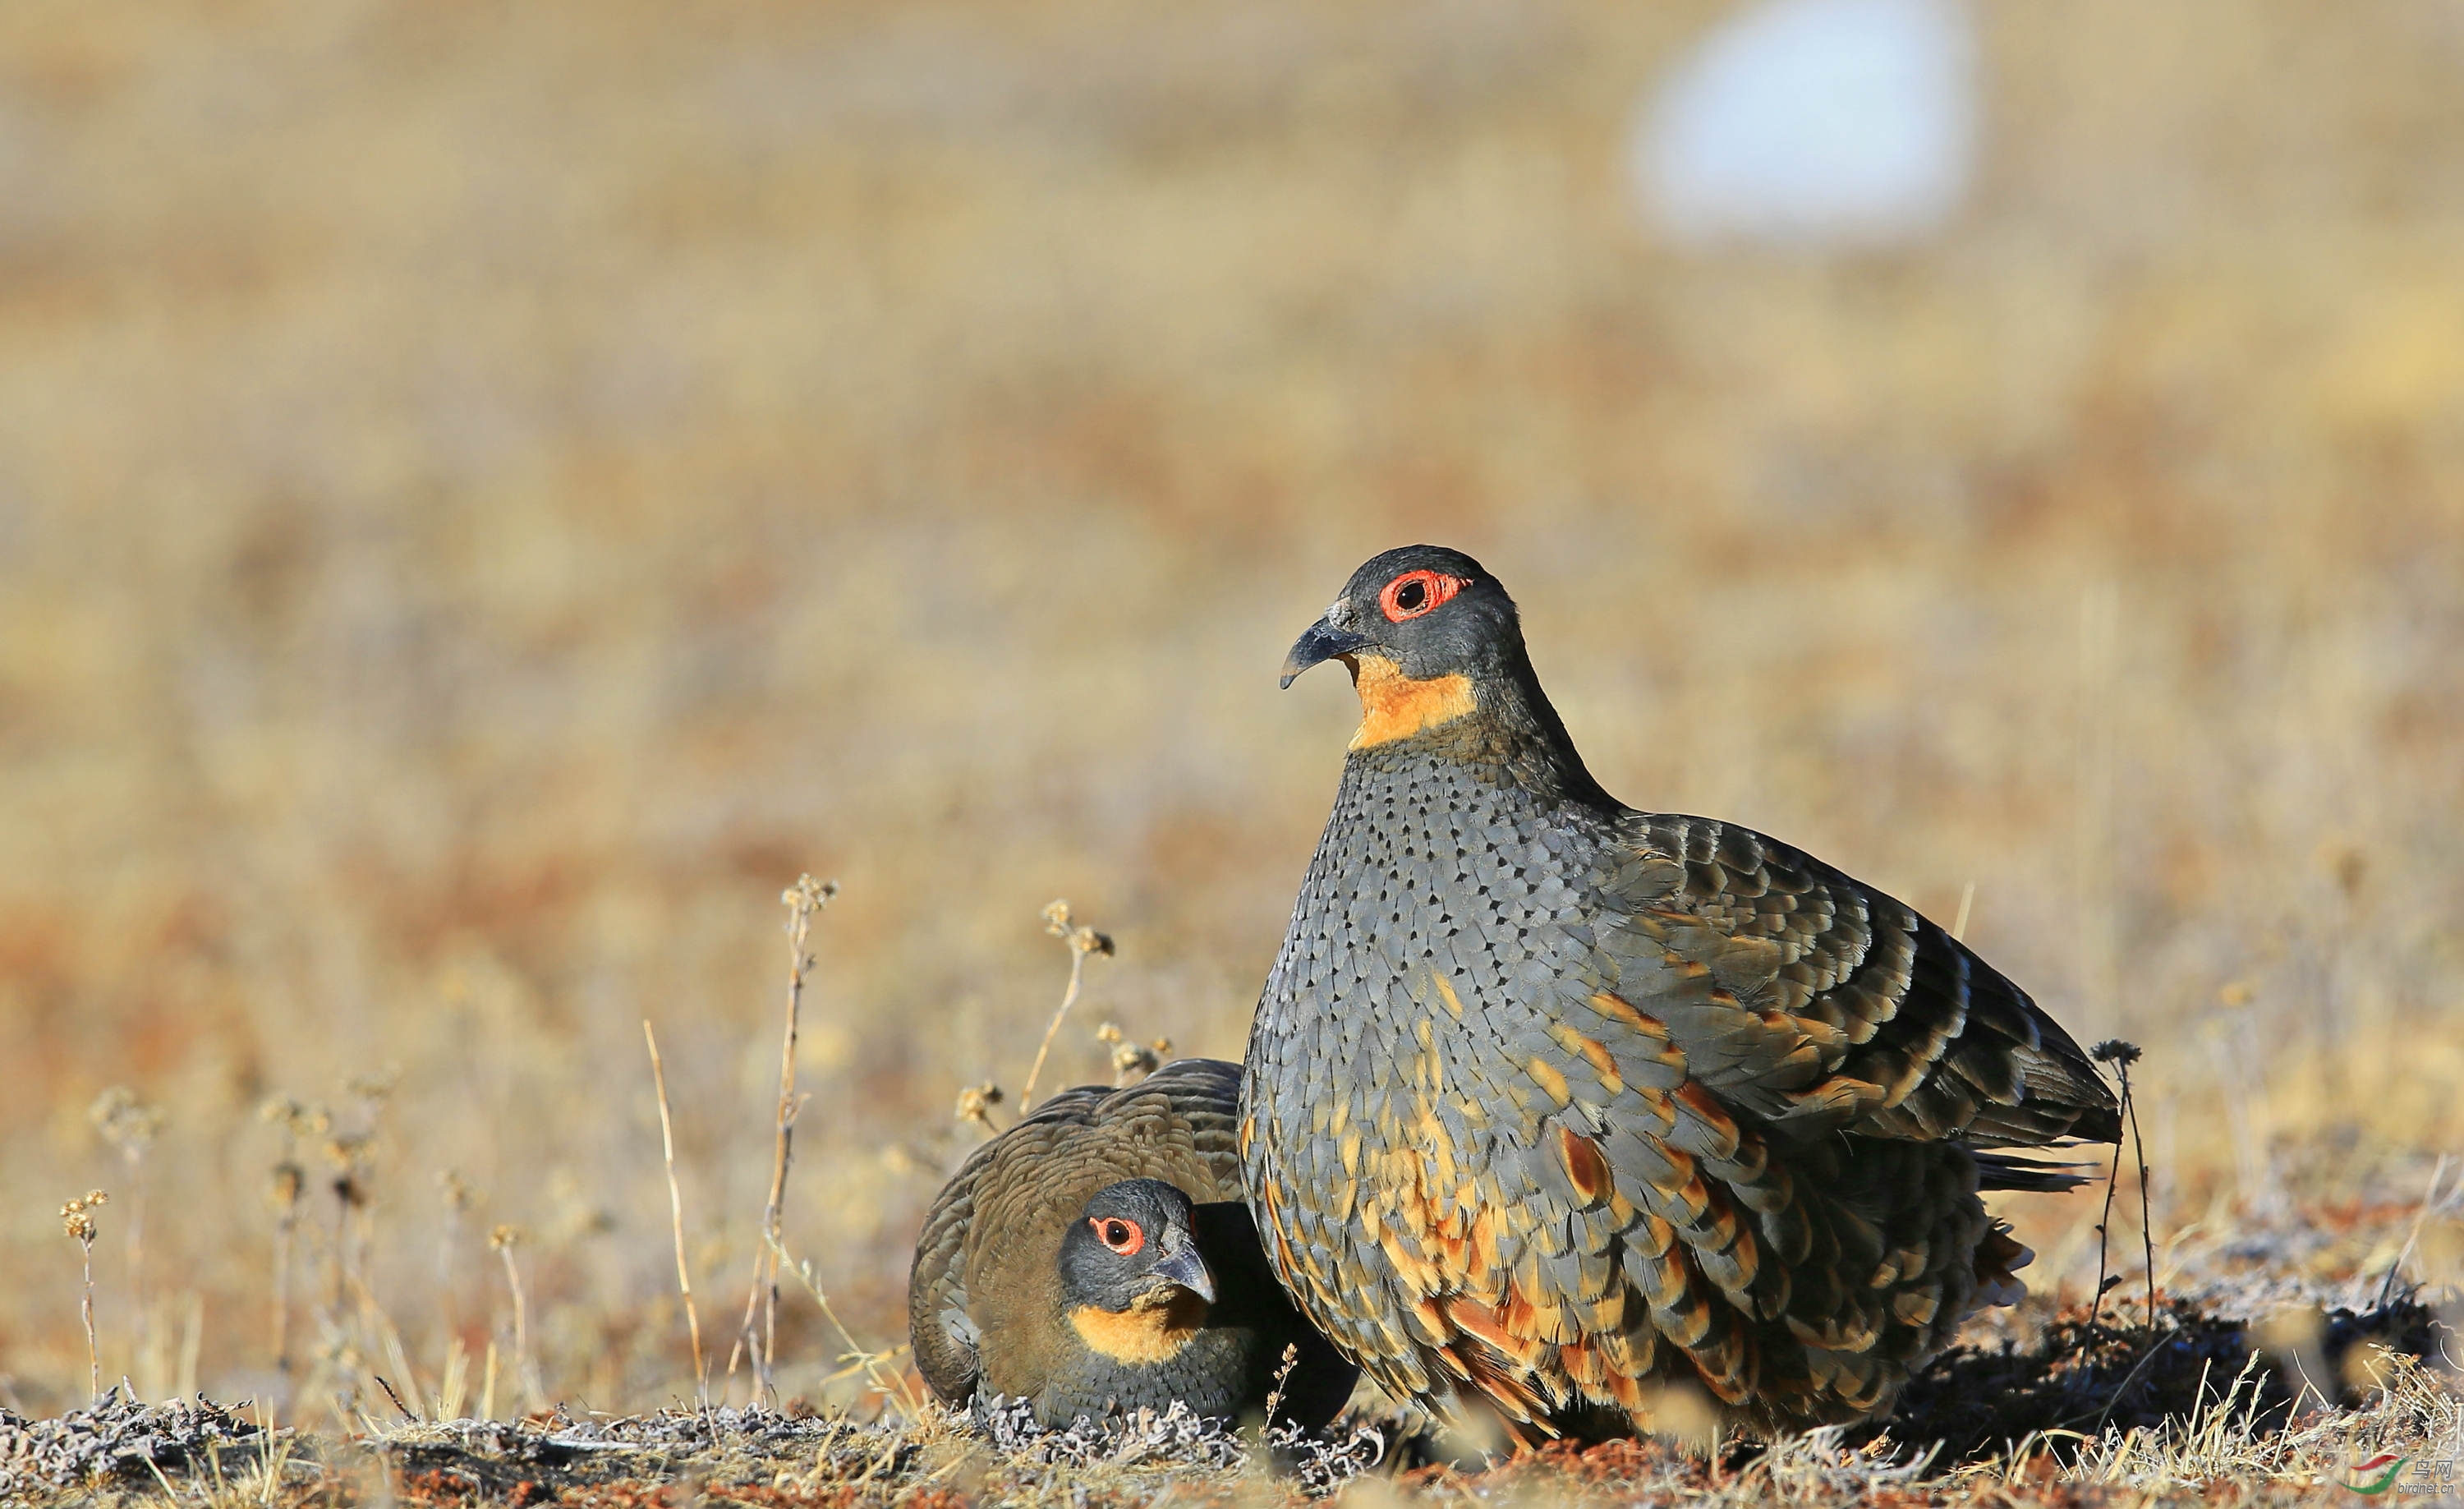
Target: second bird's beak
x=1188 y=1270
x=1323 y=642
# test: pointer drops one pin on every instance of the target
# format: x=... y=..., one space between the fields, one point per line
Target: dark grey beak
x=1188 y=1270
x=1323 y=642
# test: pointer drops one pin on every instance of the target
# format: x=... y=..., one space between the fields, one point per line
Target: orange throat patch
x=1144 y=1334
x=1394 y=706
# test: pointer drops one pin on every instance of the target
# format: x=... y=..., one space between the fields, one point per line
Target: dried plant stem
x=890 y=1383
x=282 y=1225
x=289 y=1180
x=804 y=899
x=521 y=1326
x=456 y=1200
x=93 y=1351
x=2122 y=1056
x=330 y=1314
x=2104 y=1232
x=2404 y=1253
x=76 y=1219
x=1068 y=999
x=1081 y=941
x=675 y=1216
x=374 y=1321
x=1291 y=1360
x=2146 y=1222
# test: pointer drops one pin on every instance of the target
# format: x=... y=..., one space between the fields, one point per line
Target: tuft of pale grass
x=2416 y=1410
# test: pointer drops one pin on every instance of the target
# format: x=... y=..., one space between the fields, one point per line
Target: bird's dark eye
x=1417 y=592
x=1121 y=1237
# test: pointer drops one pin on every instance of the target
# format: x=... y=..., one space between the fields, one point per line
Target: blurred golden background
x=489 y=495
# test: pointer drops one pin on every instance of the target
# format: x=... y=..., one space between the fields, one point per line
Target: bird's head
x=1422 y=628
x=1134 y=1251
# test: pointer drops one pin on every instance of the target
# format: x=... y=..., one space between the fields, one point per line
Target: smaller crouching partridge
x=1095 y=1259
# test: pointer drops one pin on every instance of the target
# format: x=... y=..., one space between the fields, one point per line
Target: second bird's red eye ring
x=1417 y=592
x=1121 y=1237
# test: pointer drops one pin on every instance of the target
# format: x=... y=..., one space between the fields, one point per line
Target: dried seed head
x=504 y=1239
x=294 y=1119
x=975 y=1103
x=1084 y=940
x=345 y=1150
x=125 y=1122
x=457 y=1194
x=77 y=1217
x=283 y=1191
x=809 y=895
x=1133 y=1062
x=2114 y=1051
x=1108 y=1032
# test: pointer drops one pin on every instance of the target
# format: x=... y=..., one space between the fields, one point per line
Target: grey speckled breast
x=1429 y=877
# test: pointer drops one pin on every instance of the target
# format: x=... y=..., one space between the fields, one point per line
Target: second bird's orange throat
x=1146 y=1333
x=1394 y=706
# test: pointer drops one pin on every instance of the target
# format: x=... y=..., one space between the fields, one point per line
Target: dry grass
x=487 y=496
x=2176 y=1413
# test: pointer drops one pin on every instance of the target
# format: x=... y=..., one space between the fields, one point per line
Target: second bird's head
x=1421 y=628
x=1133 y=1250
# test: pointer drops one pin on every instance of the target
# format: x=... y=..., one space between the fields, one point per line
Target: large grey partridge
x=1554 y=1104
x=1094 y=1260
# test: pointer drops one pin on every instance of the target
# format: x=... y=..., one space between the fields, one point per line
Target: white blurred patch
x=1813 y=122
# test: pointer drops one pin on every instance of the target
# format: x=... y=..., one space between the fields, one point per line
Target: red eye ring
x=1417 y=592
x=1120 y=1234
